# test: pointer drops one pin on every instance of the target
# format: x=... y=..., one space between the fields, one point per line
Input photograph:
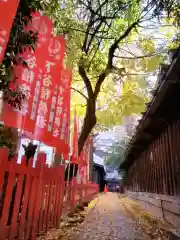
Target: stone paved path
x=108 y=220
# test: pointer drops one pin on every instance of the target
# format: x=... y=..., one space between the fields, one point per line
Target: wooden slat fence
x=157 y=169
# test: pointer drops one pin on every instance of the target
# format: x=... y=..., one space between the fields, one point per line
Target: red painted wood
x=47 y=193
x=31 y=205
x=14 y=223
x=40 y=163
x=59 y=201
x=49 y=208
x=3 y=161
x=42 y=207
x=23 y=221
x=7 y=201
x=54 y=202
x=60 y=195
x=42 y=197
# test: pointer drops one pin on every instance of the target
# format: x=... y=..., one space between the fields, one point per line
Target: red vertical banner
x=67 y=126
x=83 y=174
x=28 y=79
x=8 y=10
x=75 y=140
x=61 y=128
x=84 y=156
x=49 y=89
x=44 y=26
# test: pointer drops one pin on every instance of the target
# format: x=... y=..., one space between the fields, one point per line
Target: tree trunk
x=88 y=124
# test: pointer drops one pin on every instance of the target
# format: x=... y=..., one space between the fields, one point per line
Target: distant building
x=112 y=179
x=113 y=184
x=98 y=175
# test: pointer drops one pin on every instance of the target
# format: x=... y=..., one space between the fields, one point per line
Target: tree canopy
x=112 y=54
x=116 y=154
x=110 y=48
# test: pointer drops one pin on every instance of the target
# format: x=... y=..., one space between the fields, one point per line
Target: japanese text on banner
x=62 y=113
x=75 y=141
x=49 y=90
x=28 y=77
x=44 y=27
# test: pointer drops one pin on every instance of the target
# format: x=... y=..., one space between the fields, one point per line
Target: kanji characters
x=54 y=46
x=61 y=90
x=31 y=61
x=52 y=114
x=63 y=127
x=33 y=111
x=48 y=66
x=41 y=121
x=60 y=100
x=27 y=75
x=45 y=93
x=25 y=89
x=55 y=132
x=57 y=121
x=42 y=110
x=59 y=110
x=56 y=90
x=47 y=80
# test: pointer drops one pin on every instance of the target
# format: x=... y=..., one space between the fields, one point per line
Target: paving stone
x=108 y=220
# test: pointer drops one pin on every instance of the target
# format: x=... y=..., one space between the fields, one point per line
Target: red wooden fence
x=31 y=199
x=79 y=193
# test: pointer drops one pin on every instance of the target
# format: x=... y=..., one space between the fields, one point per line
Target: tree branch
x=114 y=46
x=112 y=50
x=82 y=94
x=93 y=35
x=86 y=80
x=137 y=57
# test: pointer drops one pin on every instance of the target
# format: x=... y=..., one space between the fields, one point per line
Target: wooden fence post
x=40 y=163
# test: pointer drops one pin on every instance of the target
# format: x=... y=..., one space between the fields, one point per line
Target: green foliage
x=9 y=139
x=131 y=100
x=110 y=106
x=116 y=155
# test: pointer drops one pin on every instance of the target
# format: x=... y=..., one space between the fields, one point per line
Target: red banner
x=83 y=159
x=83 y=172
x=8 y=10
x=60 y=133
x=67 y=129
x=84 y=156
x=75 y=141
x=50 y=90
x=29 y=78
x=44 y=27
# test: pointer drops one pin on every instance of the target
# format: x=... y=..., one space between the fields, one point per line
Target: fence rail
x=157 y=169
x=31 y=198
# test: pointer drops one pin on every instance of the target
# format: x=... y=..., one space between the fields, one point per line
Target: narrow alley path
x=108 y=220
